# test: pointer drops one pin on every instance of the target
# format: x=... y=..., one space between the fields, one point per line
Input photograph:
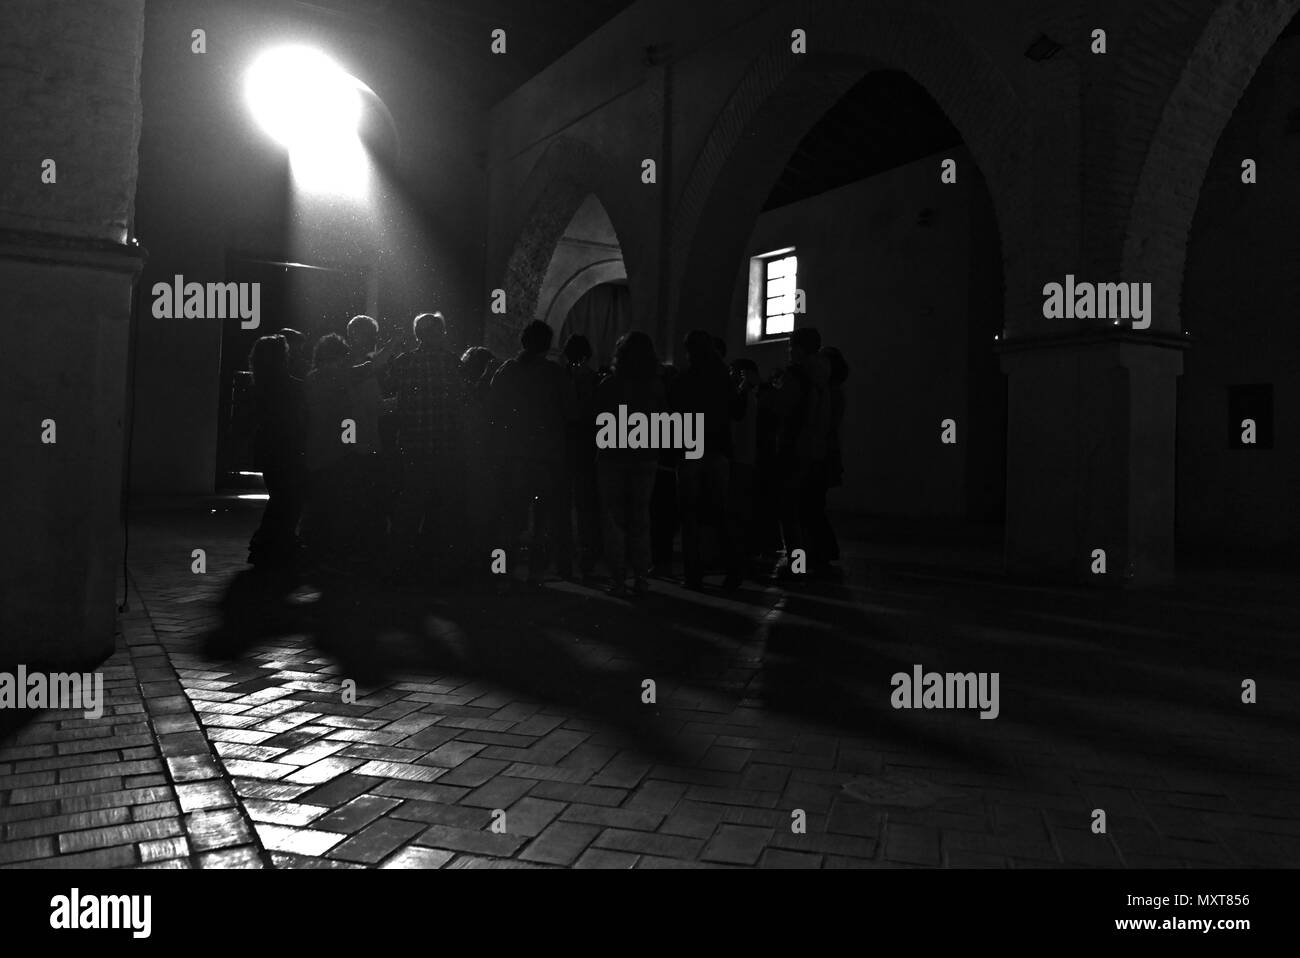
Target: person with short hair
x=278 y=447
x=626 y=477
x=334 y=493
x=429 y=410
x=579 y=495
x=530 y=400
x=801 y=410
x=705 y=388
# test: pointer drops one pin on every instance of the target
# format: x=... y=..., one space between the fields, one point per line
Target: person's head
x=331 y=350
x=744 y=370
x=577 y=350
x=363 y=333
x=839 y=368
x=429 y=329
x=536 y=337
x=269 y=359
x=634 y=356
x=804 y=343
x=699 y=347
x=474 y=363
x=294 y=338
x=720 y=347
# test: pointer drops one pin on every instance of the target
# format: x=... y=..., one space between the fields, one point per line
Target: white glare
x=311 y=106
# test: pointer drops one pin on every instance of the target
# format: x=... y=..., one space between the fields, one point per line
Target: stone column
x=70 y=113
x=1090 y=457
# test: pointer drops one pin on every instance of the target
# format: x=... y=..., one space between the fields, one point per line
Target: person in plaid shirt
x=430 y=406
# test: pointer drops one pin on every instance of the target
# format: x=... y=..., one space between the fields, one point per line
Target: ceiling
x=886 y=120
x=456 y=34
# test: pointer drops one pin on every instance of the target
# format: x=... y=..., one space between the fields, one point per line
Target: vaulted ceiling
x=456 y=34
x=886 y=120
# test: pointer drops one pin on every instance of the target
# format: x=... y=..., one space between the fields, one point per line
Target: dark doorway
x=602 y=314
x=314 y=300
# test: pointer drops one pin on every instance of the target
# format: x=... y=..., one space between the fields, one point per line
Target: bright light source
x=311 y=106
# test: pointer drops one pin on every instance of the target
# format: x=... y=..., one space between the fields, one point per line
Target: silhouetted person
x=299 y=354
x=374 y=433
x=530 y=401
x=580 y=499
x=741 y=495
x=663 y=501
x=626 y=477
x=334 y=487
x=823 y=545
x=801 y=409
x=477 y=364
x=705 y=387
x=429 y=410
x=277 y=451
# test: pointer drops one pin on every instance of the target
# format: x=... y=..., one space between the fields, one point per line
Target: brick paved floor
x=771 y=707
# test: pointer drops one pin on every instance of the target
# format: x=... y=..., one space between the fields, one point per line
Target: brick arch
x=1235 y=40
x=568 y=172
x=782 y=95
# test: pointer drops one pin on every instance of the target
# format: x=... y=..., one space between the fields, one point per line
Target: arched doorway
x=563 y=242
x=1238 y=467
x=899 y=267
x=585 y=286
x=602 y=314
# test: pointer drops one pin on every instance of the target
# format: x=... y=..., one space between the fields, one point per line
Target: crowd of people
x=428 y=465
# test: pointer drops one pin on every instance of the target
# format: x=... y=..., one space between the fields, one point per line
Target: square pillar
x=1090 y=458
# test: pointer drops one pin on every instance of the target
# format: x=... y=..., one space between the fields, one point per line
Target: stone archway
x=578 y=285
x=568 y=173
x=1234 y=42
x=783 y=94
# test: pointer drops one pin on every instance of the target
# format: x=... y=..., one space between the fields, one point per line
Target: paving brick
x=193 y=768
x=694 y=820
x=401 y=770
x=586 y=794
x=211 y=829
x=560 y=843
x=282 y=813
x=473 y=772
x=781 y=858
x=376 y=841
x=621 y=773
x=452 y=754
x=54 y=824
x=323 y=771
x=416 y=857
x=649 y=843
x=120 y=856
x=736 y=844
x=421 y=791
x=628 y=818
x=196 y=795
x=465 y=840
x=26 y=849
x=356 y=814
x=299 y=841
x=528 y=816
x=604 y=858
x=438 y=813
x=163 y=849
x=92 y=838
x=501 y=792
x=912 y=844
